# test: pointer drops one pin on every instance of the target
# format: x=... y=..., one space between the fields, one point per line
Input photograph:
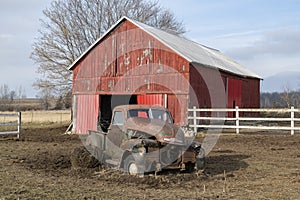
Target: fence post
x=292 y=120
x=19 y=124
x=195 y=119
x=237 y=122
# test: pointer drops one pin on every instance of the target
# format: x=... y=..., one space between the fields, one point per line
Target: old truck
x=142 y=139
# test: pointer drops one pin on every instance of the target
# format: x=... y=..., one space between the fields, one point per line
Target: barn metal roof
x=190 y=50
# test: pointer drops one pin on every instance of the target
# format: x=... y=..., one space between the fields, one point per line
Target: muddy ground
x=245 y=166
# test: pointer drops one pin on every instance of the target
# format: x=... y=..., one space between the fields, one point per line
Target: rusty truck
x=143 y=139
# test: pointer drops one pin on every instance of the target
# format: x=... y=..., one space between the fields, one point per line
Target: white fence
x=217 y=118
x=11 y=120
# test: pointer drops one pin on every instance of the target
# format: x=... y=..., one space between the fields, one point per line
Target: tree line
x=284 y=99
x=16 y=100
x=8 y=97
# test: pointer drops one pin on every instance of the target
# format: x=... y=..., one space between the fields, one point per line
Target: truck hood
x=155 y=127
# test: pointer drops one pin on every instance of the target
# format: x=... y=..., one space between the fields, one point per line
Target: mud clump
x=82 y=158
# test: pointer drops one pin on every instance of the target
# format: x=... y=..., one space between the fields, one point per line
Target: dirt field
x=246 y=166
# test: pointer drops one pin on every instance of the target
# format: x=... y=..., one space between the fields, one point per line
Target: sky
x=263 y=36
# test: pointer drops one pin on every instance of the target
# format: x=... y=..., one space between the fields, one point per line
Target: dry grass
x=60 y=116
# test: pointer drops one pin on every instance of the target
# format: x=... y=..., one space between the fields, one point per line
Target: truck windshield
x=151 y=114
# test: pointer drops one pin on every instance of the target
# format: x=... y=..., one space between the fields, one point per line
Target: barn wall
x=216 y=88
x=178 y=105
x=251 y=93
x=86 y=113
x=209 y=87
x=131 y=61
x=151 y=99
x=234 y=92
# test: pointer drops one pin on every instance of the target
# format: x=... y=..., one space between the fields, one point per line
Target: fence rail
x=16 y=122
x=219 y=116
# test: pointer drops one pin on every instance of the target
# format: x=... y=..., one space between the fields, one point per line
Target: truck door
x=116 y=134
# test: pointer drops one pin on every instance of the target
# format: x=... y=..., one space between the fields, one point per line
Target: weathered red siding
x=208 y=86
x=234 y=93
x=86 y=113
x=178 y=105
x=251 y=93
x=150 y=99
x=215 y=88
x=126 y=61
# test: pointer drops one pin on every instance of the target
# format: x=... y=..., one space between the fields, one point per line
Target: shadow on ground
x=216 y=165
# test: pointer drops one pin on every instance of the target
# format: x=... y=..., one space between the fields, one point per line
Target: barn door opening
x=108 y=103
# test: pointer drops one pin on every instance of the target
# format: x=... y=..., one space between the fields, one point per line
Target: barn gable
x=129 y=56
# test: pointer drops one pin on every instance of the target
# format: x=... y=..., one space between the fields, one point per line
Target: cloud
x=4 y=36
x=284 y=42
x=19 y=25
x=263 y=51
x=17 y=6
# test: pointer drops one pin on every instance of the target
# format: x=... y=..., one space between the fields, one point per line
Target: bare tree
x=21 y=93
x=4 y=91
x=45 y=95
x=12 y=95
x=72 y=26
x=288 y=95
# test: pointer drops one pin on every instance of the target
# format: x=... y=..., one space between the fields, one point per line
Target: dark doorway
x=108 y=103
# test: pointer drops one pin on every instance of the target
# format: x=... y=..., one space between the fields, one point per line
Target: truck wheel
x=130 y=166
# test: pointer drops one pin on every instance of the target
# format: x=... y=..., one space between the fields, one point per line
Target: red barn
x=133 y=63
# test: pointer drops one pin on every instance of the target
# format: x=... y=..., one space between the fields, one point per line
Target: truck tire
x=131 y=167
